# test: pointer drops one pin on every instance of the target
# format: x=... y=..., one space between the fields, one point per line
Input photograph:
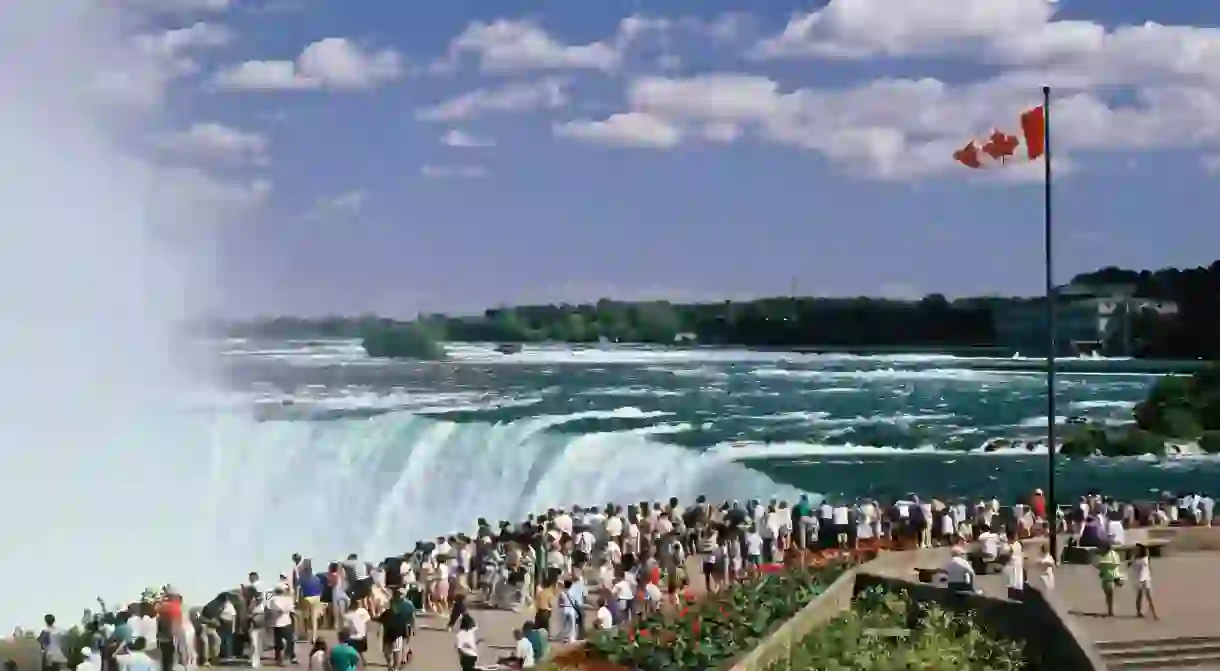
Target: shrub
x=1093 y=439
x=1209 y=442
x=1182 y=406
x=717 y=628
x=401 y=341
x=888 y=630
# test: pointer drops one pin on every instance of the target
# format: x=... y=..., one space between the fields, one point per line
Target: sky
x=394 y=157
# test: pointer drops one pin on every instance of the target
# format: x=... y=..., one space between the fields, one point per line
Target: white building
x=1088 y=319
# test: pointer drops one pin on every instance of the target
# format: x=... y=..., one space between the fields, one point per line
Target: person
x=343 y=657
x=536 y=638
x=282 y=608
x=356 y=623
x=523 y=653
x=989 y=545
x=398 y=621
x=1109 y=572
x=604 y=619
x=467 y=644
x=51 y=642
x=1141 y=566
x=1046 y=566
x=311 y=609
x=958 y=572
x=567 y=612
x=318 y=655
x=577 y=594
x=135 y=658
x=544 y=603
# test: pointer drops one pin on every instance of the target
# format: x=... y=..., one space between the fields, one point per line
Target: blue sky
x=710 y=182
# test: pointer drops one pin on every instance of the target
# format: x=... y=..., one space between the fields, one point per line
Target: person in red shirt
x=1038 y=503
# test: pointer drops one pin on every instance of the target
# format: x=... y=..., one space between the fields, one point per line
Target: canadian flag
x=1001 y=147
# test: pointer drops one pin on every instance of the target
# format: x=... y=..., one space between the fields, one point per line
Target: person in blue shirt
x=310 y=585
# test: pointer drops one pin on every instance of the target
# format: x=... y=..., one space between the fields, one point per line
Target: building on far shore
x=1089 y=319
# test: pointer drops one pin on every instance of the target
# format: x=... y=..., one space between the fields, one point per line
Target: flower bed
x=887 y=630
x=714 y=630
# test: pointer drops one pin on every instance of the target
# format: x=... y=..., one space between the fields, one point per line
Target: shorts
x=754 y=560
x=394 y=639
x=709 y=567
x=360 y=645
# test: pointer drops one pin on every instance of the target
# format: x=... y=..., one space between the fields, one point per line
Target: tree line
x=933 y=321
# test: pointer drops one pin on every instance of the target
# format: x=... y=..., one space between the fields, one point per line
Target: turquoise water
x=838 y=425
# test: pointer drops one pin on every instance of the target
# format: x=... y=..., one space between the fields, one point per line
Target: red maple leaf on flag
x=968 y=155
x=1000 y=145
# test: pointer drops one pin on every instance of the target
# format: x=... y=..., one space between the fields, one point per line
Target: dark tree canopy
x=931 y=322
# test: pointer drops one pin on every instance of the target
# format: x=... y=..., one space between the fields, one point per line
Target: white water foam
x=946 y=374
x=376 y=485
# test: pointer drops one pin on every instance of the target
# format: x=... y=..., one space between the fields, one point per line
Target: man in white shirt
x=989 y=545
x=841 y=521
x=282 y=607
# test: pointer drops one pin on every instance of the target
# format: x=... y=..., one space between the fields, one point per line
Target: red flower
x=694 y=627
x=684 y=611
x=644 y=633
x=631 y=635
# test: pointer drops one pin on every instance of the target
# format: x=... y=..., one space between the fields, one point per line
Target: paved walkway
x=1184 y=586
x=433 y=646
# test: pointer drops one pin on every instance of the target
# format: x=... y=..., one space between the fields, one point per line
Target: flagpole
x=1052 y=508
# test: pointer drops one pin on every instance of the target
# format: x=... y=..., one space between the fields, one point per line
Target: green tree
x=402 y=341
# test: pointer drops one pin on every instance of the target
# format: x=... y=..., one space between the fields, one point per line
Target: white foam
x=376 y=485
x=948 y=374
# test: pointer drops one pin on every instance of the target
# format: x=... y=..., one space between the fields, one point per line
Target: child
x=1141 y=566
x=1046 y=564
x=317 y=656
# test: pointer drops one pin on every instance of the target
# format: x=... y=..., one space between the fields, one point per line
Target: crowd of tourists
x=572 y=570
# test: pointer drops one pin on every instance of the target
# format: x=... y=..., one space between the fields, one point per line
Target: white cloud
x=350 y=201
x=217 y=142
x=171 y=48
x=509 y=45
x=171 y=43
x=629 y=129
x=1017 y=33
x=512 y=97
x=462 y=140
x=867 y=28
x=333 y=63
x=904 y=128
x=194 y=188
x=453 y=171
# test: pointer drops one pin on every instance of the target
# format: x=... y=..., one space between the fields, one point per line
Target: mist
x=103 y=256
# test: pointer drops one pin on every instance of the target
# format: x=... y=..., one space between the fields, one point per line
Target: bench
x=1156 y=548
x=1083 y=554
x=927 y=575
